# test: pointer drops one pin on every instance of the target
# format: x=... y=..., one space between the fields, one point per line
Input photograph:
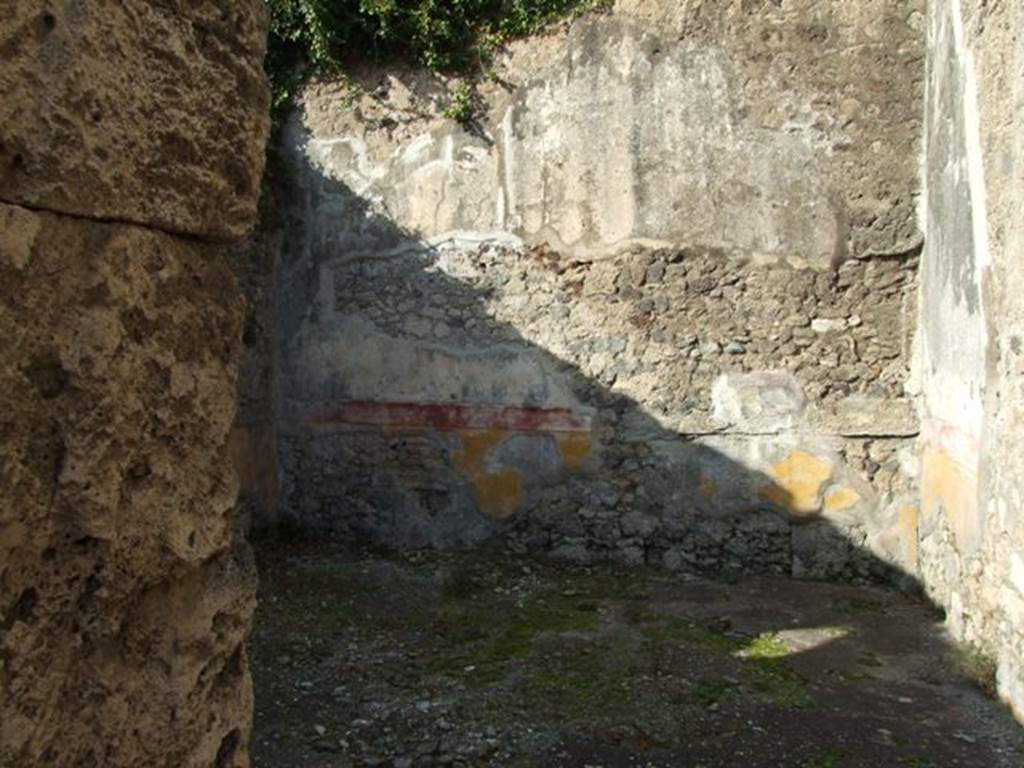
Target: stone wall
x=125 y=599
x=779 y=133
x=686 y=388
x=972 y=529
x=655 y=304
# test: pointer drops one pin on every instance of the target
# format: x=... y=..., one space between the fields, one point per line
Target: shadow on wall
x=409 y=411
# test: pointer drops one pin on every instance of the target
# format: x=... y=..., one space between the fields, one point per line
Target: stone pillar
x=131 y=150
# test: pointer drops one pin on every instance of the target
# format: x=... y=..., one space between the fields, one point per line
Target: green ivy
x=447 y=36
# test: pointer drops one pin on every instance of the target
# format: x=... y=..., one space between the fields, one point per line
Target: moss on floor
x=482 y=659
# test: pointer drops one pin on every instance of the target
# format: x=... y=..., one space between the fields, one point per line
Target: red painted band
x=451 y=417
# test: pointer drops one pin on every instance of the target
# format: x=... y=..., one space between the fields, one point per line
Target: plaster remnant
x=799 y=477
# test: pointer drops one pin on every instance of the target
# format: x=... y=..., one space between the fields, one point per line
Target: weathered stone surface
x=434 y=395
x=847 y=78
x=762 y=131
x=758 y=402
x=138 y=111
x=495 y=324
x=124 y=604
x=715 y=224
x=125 y=599
x=863 y=415
x=970 y=534
x=660 y=334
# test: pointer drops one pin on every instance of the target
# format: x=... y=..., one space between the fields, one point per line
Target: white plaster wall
x=972 y=331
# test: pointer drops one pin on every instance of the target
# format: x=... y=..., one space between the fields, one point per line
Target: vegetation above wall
x=447 y=36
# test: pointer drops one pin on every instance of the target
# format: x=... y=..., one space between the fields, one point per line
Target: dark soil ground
x=485 y=659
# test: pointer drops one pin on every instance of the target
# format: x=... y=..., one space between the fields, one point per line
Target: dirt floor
x=484 y=659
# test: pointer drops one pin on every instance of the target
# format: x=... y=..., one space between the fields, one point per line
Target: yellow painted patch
x=574 y=447
x=947 y=487
x=841 y=499
x=498 y=494
x=476 y=444
x=899 y=541
x=798 y=481
x=909 y=517
x=706 y=486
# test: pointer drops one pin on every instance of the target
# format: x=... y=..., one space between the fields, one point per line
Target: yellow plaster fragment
x=498 y=494
x=908 y=525
x=476 y=444
x=950 y=488
x=798 y=481
x=706 y=486
x=841 y=499
x=574 y=447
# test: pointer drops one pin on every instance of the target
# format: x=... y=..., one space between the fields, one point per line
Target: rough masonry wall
x=972 y=334
x=654 y=305
x=674 y=384
x=125 y=599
